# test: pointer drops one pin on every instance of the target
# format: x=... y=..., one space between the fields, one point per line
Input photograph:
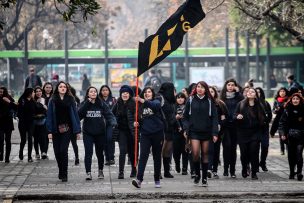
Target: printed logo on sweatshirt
x=147 y=112
x=93 y=114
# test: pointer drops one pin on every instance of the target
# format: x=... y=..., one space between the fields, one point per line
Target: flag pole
x=136 y=126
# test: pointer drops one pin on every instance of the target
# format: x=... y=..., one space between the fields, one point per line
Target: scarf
x=230 y=95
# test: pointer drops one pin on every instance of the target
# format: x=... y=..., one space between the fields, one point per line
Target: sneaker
x=177 y=168
x=204 y=183
x=76 y=162
x=209 y=174
x=225 y=173
x=157 y=184
x=30 y=160
x=215 y=175
x=107 y=163
x=282 y=153
x=168 y=175
x=88 y=176
x=196 y=180
x=37 y=156
x=100 y=174
x=233 y=175
x=7 y=161
x=136 y=183
x=112 y=162
x=44 y=155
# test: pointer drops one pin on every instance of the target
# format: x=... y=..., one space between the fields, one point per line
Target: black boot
x=204 y=171
x=197 y=170
x=166 y=162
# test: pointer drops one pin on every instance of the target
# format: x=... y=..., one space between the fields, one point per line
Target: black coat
x=6 y=115
x=231 y=104
x=292 y=118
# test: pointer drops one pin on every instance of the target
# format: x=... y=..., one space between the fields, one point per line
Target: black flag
x=169 y=36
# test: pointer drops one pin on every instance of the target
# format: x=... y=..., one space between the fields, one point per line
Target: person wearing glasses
x=32 y=79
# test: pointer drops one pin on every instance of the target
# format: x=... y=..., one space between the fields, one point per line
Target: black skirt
x=202 y=136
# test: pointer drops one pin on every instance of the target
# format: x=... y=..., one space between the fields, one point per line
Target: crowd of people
x=187 y=128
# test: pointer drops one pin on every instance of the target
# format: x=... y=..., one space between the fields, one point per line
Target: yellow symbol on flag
x=154 y=54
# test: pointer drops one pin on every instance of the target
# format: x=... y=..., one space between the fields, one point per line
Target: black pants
x=146 y=142
x=40 y=137
x=75 y=146
x=264 y=145
x=26 y=133
x=109 y=145
x=126 y=145
x=214 y=154
x=295 y=155
x=61 y=145
x=179 y=143
x=5 y=135
x=275 y=124
x=88 y=142
x=229 y=149
x=250 y=154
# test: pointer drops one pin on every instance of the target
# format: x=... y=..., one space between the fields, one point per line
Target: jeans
x=88 y=142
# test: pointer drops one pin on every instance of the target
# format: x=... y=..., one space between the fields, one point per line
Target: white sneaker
x=89 y=176
x=157 y=184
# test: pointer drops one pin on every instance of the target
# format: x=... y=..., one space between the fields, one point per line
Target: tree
x=33 y=16
x=285 y=15
x=70 y=11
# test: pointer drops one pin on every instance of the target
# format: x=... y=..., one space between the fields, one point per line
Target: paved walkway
x=20 y=180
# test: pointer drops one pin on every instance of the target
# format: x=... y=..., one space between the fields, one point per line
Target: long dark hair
x=261 y=111
x=100 y=91
x=167 y=91
x=224 y=89
x=43 y=87
x=36 y=88
x=289 y=101
x=278 y=93
x=181 y=95
x=207 y=92
x=27 y=92
x=68 y=92
x=87 y=94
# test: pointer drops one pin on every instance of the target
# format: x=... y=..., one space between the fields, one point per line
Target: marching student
x=167 y=98
x=105 y=94
x=201 y=126
x=96 y=117
x=40 y=132
x=291 y=128
x=151 y=127
x=26 y=112
x=7 y=108
x=265 y=136
x=215 y=147
x=231 y=96
x=124 y=111
x=179 y=141
x=278 y=109
x=62 y=124
x=250 y=121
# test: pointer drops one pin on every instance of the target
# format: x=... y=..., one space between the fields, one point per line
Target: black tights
x=200 y=151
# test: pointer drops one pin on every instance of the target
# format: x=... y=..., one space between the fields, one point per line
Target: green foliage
x=69 y=10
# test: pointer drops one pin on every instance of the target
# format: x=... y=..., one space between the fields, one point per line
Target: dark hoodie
x=96 y=116
x=167 y=98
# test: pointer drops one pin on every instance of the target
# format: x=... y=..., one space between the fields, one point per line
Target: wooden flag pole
x=136 y=127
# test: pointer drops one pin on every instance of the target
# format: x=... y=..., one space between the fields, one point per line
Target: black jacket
x=292 y=118
x=95 y=117
x=125 y=115
x=231 y=104
x=6 y=114
x=201 y=116
x=26 y=112
x=169 y=111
